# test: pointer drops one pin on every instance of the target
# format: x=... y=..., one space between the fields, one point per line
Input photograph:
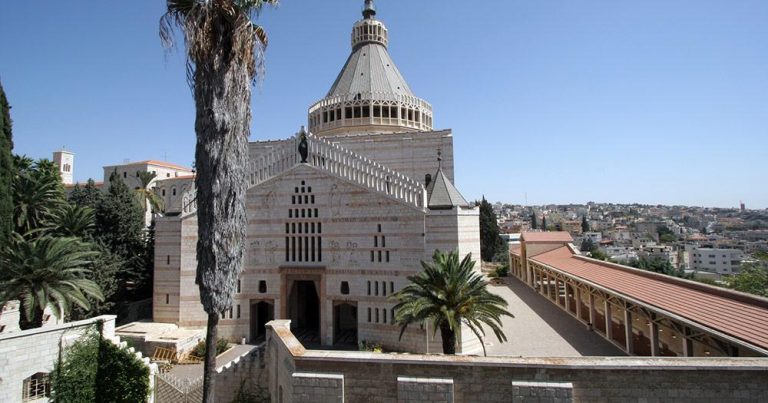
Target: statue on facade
x=303 y=145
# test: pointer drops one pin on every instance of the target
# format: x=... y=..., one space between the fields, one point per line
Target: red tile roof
x=515 y=249
x=742 y=317
x=156 y=163
x=177 y=178
x=550 y=236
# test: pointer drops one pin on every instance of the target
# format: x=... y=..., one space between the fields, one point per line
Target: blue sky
x=562 y=101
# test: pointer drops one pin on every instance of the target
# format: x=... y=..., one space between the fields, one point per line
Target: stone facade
x=334 y=233
x=26 y=353
x=376 y=377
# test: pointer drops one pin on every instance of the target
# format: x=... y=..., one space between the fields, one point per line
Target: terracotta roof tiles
x=742 y=317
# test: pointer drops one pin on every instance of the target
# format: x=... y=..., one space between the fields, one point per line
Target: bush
x=222 y=345
x=501 y=271
x=372 y=347
x=96 y=370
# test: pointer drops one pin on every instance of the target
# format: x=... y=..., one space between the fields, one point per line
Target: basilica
x=339 y=215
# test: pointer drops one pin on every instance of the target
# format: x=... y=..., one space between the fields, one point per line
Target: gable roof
x=549 y=236
x=740 y=316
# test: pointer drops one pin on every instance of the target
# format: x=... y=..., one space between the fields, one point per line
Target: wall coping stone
x=56 y=328
x=282 y=330
x=317 y=375
x=528 y=384
x=407 y=379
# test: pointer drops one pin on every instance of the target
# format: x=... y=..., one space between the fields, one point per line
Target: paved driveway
x=541 y=329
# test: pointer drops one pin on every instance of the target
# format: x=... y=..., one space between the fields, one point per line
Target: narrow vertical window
x=238 y=286
x=383 y=241
x=262 y=286
x=167 y=299
x=384 y=288
x=369 y=315
x=391 y=287
x=376 y=287
x=377 y=315
x=238 y=311
x=387 y=256
x=369 y=288
x=384 y=315
x=168 y=259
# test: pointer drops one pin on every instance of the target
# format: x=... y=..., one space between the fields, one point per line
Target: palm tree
x=46 y=272
x=450 y=293
x=37 y=196
x=224 y=57
x=75 y=221
x=148 y=196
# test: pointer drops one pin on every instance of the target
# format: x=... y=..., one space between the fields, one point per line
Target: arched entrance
x=345 y=324
x=304 y=311
x=261 y=313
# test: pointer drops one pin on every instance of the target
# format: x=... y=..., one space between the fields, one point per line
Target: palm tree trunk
x=35 y=322
x=209 y=367
x=223 y=104
x=449 y=339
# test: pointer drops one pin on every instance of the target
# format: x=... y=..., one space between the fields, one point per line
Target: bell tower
x=65 y=161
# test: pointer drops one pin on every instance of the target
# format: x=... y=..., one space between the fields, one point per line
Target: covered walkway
x=642 y=313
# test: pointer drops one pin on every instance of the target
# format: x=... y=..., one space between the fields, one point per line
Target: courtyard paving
x=541 y=329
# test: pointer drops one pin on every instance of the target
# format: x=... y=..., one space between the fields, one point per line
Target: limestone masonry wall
x=371 y=377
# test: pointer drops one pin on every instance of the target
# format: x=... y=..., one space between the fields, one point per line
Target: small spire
x=439 y=159
x=370 y=10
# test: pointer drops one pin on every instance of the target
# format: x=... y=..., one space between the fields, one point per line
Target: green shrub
x=502 y=271
x=368 y=346
x=222 y=345
x=96 y=370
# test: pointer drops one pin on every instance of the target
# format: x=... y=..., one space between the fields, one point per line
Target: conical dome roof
x=369 y=94
x=442 y=194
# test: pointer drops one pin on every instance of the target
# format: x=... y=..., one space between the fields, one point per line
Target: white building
x=333 y=232
x=65 y=161
x=720 y=261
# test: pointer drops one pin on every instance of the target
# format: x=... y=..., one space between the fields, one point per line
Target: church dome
x=369 y=94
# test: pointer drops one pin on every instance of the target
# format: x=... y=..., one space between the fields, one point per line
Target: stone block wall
x=416 y=390
x=25 y=353
x=542 y=392
x=372 y=377
x=318 y=387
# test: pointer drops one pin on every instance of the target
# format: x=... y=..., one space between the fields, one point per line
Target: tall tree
x=87 y=196
x=37 y=196
x=534 y=223
x=120 y=228
x=449 y=293
x=490 y=241
x=224 y=58
x=6 y=169
x=147 y=196
x=584 y=224
x=544 y=222
x=46 y=272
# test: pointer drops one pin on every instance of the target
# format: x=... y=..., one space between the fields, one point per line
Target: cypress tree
x=490 y=242
x=584 y=224
x=534 y=223
x=6 y=168
x=120 y=228
x=544 y=222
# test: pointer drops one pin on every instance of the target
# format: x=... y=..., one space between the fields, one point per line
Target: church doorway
x=261 y=313
x=304 y=311
x=345 y=324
